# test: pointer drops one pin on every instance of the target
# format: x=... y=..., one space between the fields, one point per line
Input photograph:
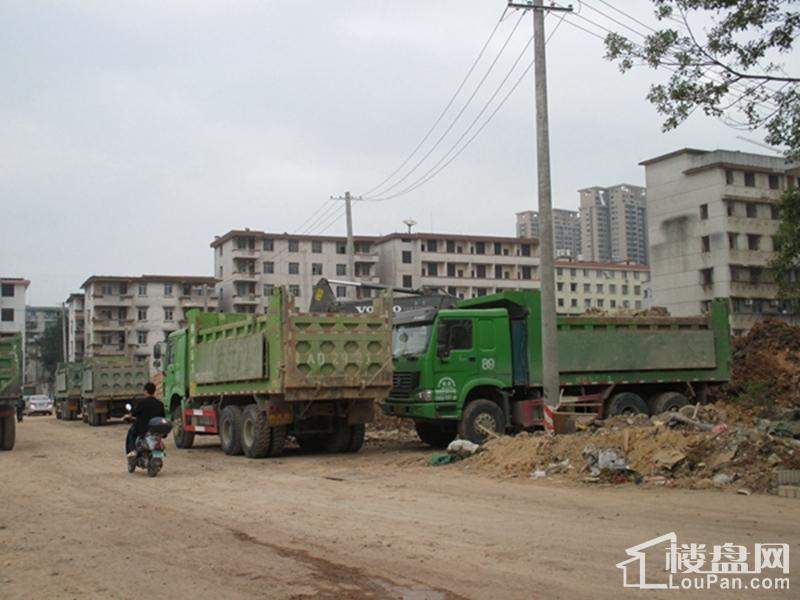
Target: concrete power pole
x=64 y=329
x=550 y=378
x=350 y=245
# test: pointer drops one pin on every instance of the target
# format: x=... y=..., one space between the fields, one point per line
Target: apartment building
x=37 y=319
x=128 y=315
x=466 y=266
x=249 y=264
x=566 y=230
x=74 y=307
x=712 y=216
x=581 y=286
x=12 y=305
x=614 y=224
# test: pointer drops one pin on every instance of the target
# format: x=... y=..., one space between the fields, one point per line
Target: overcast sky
x=132 y=133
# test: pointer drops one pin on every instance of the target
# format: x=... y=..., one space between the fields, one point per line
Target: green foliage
x=51 y=345
x=755 y=393
x=728 y=71
x=786 y=263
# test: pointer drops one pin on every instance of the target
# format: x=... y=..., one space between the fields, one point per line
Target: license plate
x=158 y=454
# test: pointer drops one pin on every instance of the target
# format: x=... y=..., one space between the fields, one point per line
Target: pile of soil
x=740 y=454
x=766 y=367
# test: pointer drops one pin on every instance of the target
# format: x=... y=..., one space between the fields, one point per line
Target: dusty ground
x=376 y=524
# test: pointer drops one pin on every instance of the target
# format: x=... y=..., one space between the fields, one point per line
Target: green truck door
x=456 y=358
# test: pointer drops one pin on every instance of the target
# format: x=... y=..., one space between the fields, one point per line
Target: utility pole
x=550 y=378
x=350 y=245
x=64 y=315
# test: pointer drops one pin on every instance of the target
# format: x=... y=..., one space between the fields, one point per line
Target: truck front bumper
x=421 y=410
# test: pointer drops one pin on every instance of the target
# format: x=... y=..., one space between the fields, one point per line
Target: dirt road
x=379 y=524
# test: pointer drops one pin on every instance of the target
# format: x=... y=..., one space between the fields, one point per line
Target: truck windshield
x=410 y=340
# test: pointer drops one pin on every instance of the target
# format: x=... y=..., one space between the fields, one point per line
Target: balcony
x=100 y=324
x=111 y=300
x=248 y=251
x=245 y=275
x=246 y=299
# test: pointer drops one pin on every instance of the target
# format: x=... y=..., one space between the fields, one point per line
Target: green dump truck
x=477 y=368
x=67 y=397
x=108 y=384
x=255 y=380
x=10 y=388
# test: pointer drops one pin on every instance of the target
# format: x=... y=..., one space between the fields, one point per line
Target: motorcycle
x=150 y=449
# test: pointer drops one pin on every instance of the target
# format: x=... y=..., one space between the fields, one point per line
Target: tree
x=51 y=346
x=728 y=72
x=785 y=264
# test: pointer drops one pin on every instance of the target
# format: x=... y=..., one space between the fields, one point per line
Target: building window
x=433 y=269
x=560 y=286
x=294 y=290
x=269 y=267
x=637 y=290
x=561 y=302
x=107 y=289
x=573 y=303
x=498 y=271
x=187 y=289
x=269 y=245
x=316 y=268
x=600 y=303
x=168 y=289
x=573 y=272
x=573 y=287
x=775 y=212
x=141 y=313
x=123 y=289
x=730 y=206
x=341 y=291
x=704 y=211
x=638 y=304
x=316 y=247
x=341 y=248
x=451 y=271
x=750 y=179
x=526 y=272
x=586 y=273
x=8 y=290
x=451 y=247
x=774 y=182
x=732 y=240
x=587 y=303
x=480 y=248
x=406 y=257
x=407 y=281
x=587 y=288
x=498 y=248
x=168 y=313
x=294 y=246
x=106 y=339
x=525 y=249
x=560 y=272
x=612 y=288
x=341 y=269
x=752 y=210
x=432 y=246
x=729 y=177
x=753 y=241
x=612 y=303
x=705 y=242
x=624 y=289
x=268 y=289
x=294 y=268
x=636 y=275
x=8 y=315
x=599 y=288
x=707 y=276
x=141 y=337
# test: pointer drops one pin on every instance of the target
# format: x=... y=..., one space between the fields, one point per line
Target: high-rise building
x=12 y=305
x=613 y=223
x=566 y=230
x=711 y=217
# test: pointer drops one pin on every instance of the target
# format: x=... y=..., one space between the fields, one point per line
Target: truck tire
x=230 y=430
x=278 y=441
x=481 y=414
x=667 y=402
x=628 y=404
x=256 y=433
x=84 y=413
x=102 y=419
x=436 y=435
x=356 y=441
x=183 y=439
x=8 y=432
x=94 y=420
x=339 y=439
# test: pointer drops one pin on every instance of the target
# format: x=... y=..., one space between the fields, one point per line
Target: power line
x=457 y=117
x=447 y=106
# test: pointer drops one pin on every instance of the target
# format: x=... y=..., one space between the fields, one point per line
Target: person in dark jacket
x=20 y=409
x=145 y=409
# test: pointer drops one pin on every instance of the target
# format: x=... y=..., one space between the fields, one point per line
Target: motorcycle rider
x=145 y=409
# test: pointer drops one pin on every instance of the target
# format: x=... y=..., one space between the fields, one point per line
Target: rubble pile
x=766 y=366
x=714 y=446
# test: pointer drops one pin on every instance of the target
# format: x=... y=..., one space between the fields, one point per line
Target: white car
x=38 y=403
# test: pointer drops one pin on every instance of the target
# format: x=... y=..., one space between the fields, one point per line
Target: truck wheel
x=278 y=440
x=667 y=402
x=84 y=413
x=182 y=438
x=478 y=416
x=627 y=404
x=436 y=435
x=8 y=432
x=92 y=415
x=339 y=439
x=356 y=441
x=102 y=419
x=256 y=433
x=230 y=430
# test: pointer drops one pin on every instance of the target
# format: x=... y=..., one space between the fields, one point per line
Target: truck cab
x=444 y=359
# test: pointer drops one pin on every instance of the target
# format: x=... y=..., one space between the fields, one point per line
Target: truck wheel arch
x=487 y=389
